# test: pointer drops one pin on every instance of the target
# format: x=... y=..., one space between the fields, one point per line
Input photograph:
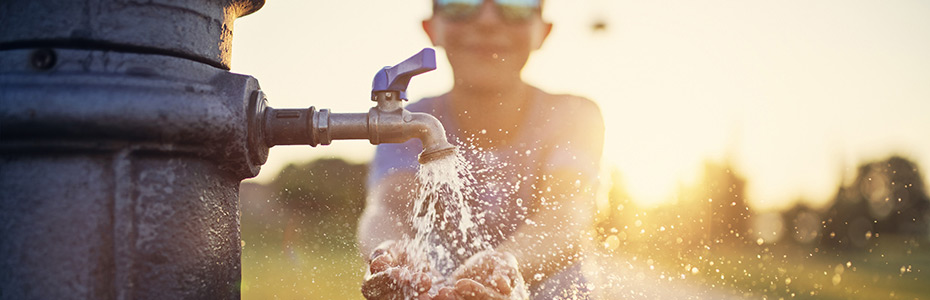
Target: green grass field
x=773 y=272
x=270 y=272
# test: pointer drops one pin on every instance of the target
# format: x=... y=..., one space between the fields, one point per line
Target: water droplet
x=612 y=242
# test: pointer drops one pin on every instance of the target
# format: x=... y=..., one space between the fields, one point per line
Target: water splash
x=445 y=221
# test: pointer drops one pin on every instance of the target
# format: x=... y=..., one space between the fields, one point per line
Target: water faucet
x=386 y=122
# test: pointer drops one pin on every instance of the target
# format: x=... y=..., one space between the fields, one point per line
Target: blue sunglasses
x=511 y=11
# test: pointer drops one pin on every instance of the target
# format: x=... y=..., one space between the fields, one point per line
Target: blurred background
x=772 y=150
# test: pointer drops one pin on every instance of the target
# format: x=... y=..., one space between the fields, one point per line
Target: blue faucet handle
x=396 y=78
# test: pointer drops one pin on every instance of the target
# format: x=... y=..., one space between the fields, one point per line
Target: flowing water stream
x=445 y=221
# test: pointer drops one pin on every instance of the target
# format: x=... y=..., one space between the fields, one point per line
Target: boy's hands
x=487 y=275
x=391 y=275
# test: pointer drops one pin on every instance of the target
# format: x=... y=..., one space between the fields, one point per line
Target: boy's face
x=485 y=46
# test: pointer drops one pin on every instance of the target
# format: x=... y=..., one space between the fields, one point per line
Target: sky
x=793 y=94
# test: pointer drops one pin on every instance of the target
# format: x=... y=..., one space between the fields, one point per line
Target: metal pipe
x=385 y=123
x=348 y=126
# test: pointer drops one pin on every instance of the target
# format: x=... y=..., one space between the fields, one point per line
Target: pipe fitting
x=430 y=131
x=392 y=124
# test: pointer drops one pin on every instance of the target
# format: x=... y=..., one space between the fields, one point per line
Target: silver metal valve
x=386 y=122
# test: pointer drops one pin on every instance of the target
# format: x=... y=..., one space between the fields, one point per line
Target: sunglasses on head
x=511 y=11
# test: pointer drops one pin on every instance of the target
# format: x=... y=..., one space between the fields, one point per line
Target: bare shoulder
x=571 y=105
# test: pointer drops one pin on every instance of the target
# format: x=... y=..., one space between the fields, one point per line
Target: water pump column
x=123 y=139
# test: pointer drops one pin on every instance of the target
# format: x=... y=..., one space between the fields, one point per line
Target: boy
x=539 y=155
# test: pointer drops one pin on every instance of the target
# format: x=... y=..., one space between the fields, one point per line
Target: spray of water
x=445 y=222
